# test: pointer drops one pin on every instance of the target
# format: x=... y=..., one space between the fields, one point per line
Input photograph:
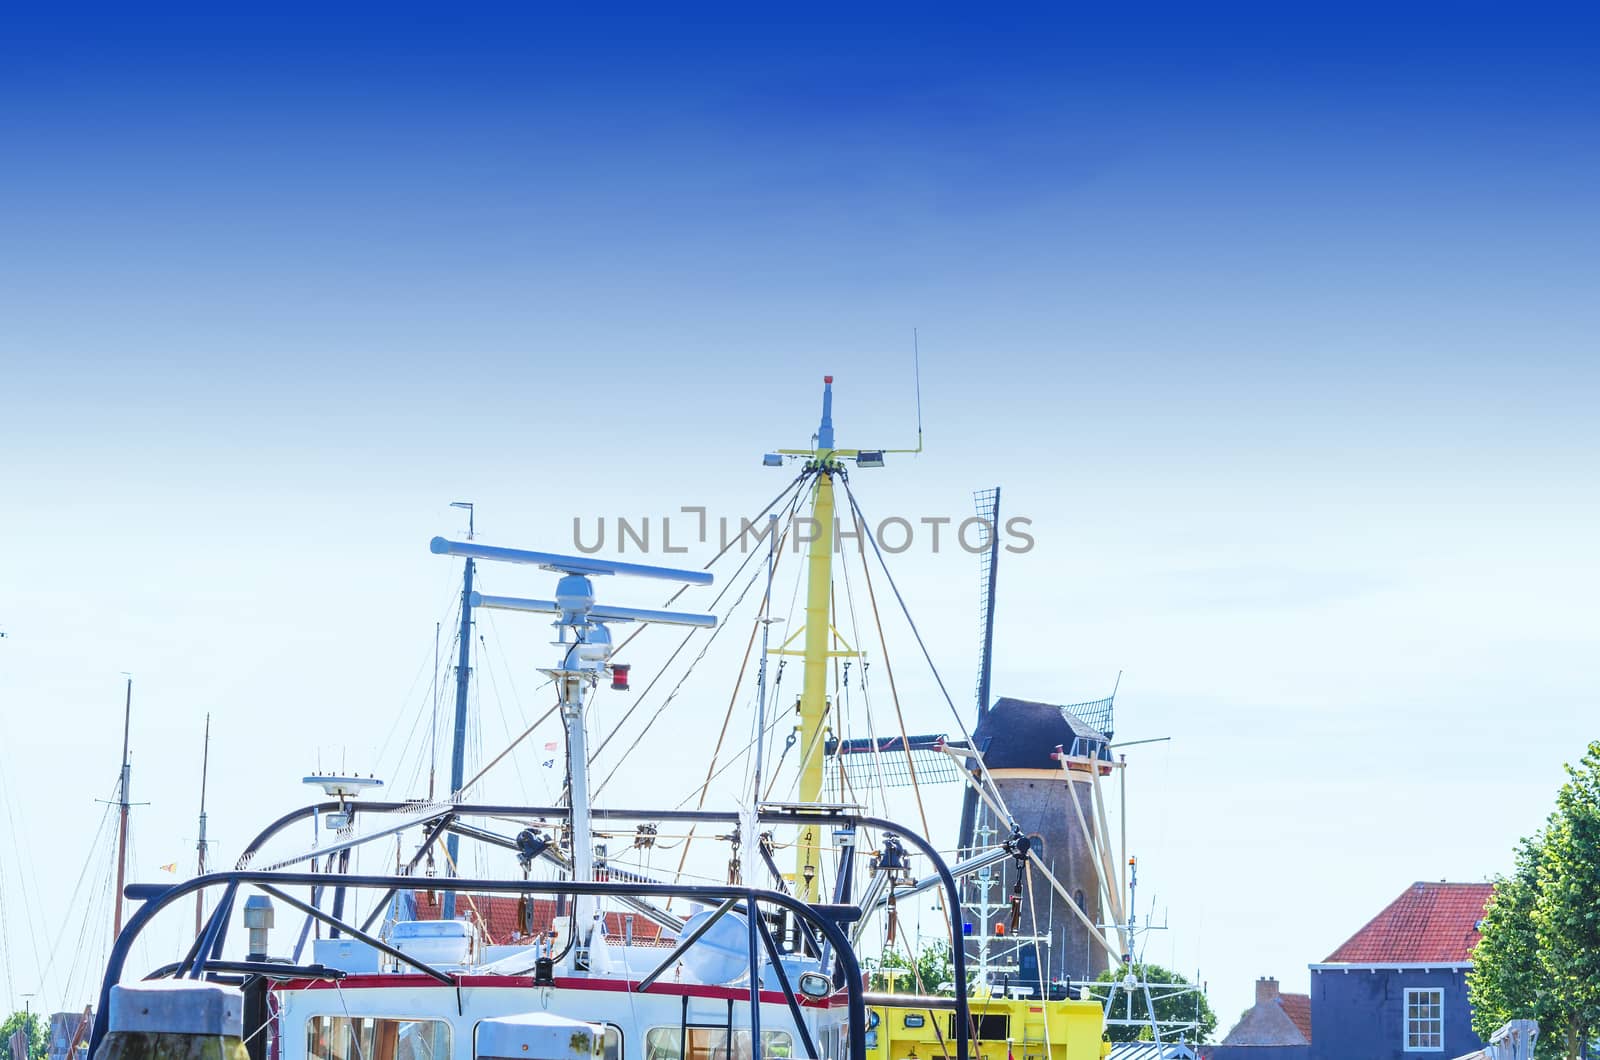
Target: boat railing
x=824 y=923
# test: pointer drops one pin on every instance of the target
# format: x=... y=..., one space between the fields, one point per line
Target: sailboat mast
x=122 y=813
x=200 y=845
x=458 y=748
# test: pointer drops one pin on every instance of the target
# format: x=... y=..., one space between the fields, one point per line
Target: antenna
x=916 y=376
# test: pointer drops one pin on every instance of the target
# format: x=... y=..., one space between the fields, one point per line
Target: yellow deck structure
x=911 y=1027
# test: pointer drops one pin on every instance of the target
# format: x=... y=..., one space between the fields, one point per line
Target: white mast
x=582 y=632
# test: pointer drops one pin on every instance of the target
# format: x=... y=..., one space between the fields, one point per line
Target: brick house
x=1276 y=1027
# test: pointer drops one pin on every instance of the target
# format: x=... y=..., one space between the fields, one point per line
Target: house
x=1277 y=1027
x=503 y=919
x=1398 y=987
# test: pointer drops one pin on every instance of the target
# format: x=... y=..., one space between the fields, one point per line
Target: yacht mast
x=122 y=813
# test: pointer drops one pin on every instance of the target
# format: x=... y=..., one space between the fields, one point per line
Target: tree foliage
x=1540 y=953
x=932 y=973
x=1171 y=1007
x=38 y=1036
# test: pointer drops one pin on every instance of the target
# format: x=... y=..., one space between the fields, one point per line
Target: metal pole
x=755 y=978
x=1122 y=785
x=433 y=728
x=578 y=797
x=458 y=751
x=752 y=825
x=200 y=847
x=122 y=824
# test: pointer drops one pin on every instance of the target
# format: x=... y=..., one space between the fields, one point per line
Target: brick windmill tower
x=1044 y=759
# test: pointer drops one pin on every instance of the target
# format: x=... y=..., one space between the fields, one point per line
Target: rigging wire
x=988 y=778
x=423 y=667
x=494 y=686
x=775 y=553
x=705 y=647
x=660 y=673
x=91 y=906
x=894 y=694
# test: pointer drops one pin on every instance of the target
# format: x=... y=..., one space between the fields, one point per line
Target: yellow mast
x=823 y=459
x=822 y=642
x=813 y=695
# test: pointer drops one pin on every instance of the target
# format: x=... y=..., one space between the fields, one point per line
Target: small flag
x=170 y=867
x=551 y=746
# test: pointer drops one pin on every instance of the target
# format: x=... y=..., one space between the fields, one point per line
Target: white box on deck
x=539 y=1036
x=434 y=941
x=347 y=955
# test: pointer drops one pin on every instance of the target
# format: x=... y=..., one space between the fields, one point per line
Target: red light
x=619 y=677
x=827 y=379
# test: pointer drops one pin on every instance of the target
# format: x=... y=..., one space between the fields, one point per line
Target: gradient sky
x=1279 y=322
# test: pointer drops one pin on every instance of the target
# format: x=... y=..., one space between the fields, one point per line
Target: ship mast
x=813 y=694
x=585 y=643
x=122 y=816
x=824 y=460
x=200 y=846
x=458 y=747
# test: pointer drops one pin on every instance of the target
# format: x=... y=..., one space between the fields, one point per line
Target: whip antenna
x=916 y=378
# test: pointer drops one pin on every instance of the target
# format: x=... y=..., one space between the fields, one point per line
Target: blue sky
x=1279 y=324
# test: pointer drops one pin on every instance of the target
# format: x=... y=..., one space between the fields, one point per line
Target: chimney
x=1266 y=990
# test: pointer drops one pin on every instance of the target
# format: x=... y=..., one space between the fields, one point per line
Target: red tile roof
x=497 y=915
x=1431 y=923
x=1298 y=1008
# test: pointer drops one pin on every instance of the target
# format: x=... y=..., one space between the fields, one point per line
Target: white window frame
x=1405 y=1019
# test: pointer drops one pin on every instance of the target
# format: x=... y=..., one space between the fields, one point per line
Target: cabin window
x=374 y=1038
x=986 y=1027
x=711 y=1043
x=611 y=1041
x=1425 y=1021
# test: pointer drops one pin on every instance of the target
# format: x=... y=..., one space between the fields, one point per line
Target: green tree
x=1540 y=953
x=38 y=1036
x=1566 y=915
x=1507 y=981
x=932 y=973
x=1171 y=1006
